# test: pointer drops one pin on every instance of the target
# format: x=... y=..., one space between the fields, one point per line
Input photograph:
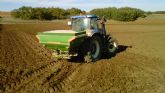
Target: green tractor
x=86 y=40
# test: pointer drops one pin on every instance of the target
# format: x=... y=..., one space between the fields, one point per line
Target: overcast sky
x=147 y=5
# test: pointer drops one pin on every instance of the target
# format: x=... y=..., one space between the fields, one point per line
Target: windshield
x=80 y=24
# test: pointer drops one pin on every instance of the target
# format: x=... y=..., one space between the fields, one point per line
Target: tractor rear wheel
x=94 y=49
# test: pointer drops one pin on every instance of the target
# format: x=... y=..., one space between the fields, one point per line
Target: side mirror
x=69 y=23
x=103 y=19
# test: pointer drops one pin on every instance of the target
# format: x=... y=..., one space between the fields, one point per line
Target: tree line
x=121 y=14
x=159 y=12
x=41 y=13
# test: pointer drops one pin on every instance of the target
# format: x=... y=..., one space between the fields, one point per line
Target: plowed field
x=138 y=67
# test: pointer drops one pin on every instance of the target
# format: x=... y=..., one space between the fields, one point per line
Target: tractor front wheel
x=112 y=46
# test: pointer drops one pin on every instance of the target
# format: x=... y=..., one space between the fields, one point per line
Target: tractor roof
x=84 y=16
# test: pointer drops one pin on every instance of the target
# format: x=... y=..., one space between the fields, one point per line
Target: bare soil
x=139 y=66
x=5 y=14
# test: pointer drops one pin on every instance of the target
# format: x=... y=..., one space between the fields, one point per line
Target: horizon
x=9 y=5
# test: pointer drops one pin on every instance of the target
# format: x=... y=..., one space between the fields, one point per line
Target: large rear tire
x=94 y=49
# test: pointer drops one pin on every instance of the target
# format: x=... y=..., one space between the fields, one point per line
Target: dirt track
x=27 y=67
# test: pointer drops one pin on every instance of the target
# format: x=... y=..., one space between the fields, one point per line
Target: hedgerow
x=44 y=13
x=120 y=14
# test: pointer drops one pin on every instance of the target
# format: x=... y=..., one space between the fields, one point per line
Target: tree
x=41 y=13
x=74 y=11
x=58 y=13
x=121 y=14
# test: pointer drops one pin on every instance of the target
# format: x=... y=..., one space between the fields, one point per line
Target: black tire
x=112 y=46
x=93 y=49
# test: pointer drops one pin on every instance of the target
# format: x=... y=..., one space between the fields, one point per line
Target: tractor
x=87 y=39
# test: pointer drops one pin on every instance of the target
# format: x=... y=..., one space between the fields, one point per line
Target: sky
x=87 y=5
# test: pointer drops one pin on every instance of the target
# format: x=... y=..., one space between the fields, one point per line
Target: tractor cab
x=88 y=23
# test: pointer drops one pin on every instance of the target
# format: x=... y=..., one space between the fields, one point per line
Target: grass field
x=139 y=66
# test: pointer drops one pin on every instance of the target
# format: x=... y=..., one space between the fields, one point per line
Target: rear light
x=72 y=39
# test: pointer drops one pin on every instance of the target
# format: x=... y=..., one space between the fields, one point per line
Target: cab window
x=94 y=24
